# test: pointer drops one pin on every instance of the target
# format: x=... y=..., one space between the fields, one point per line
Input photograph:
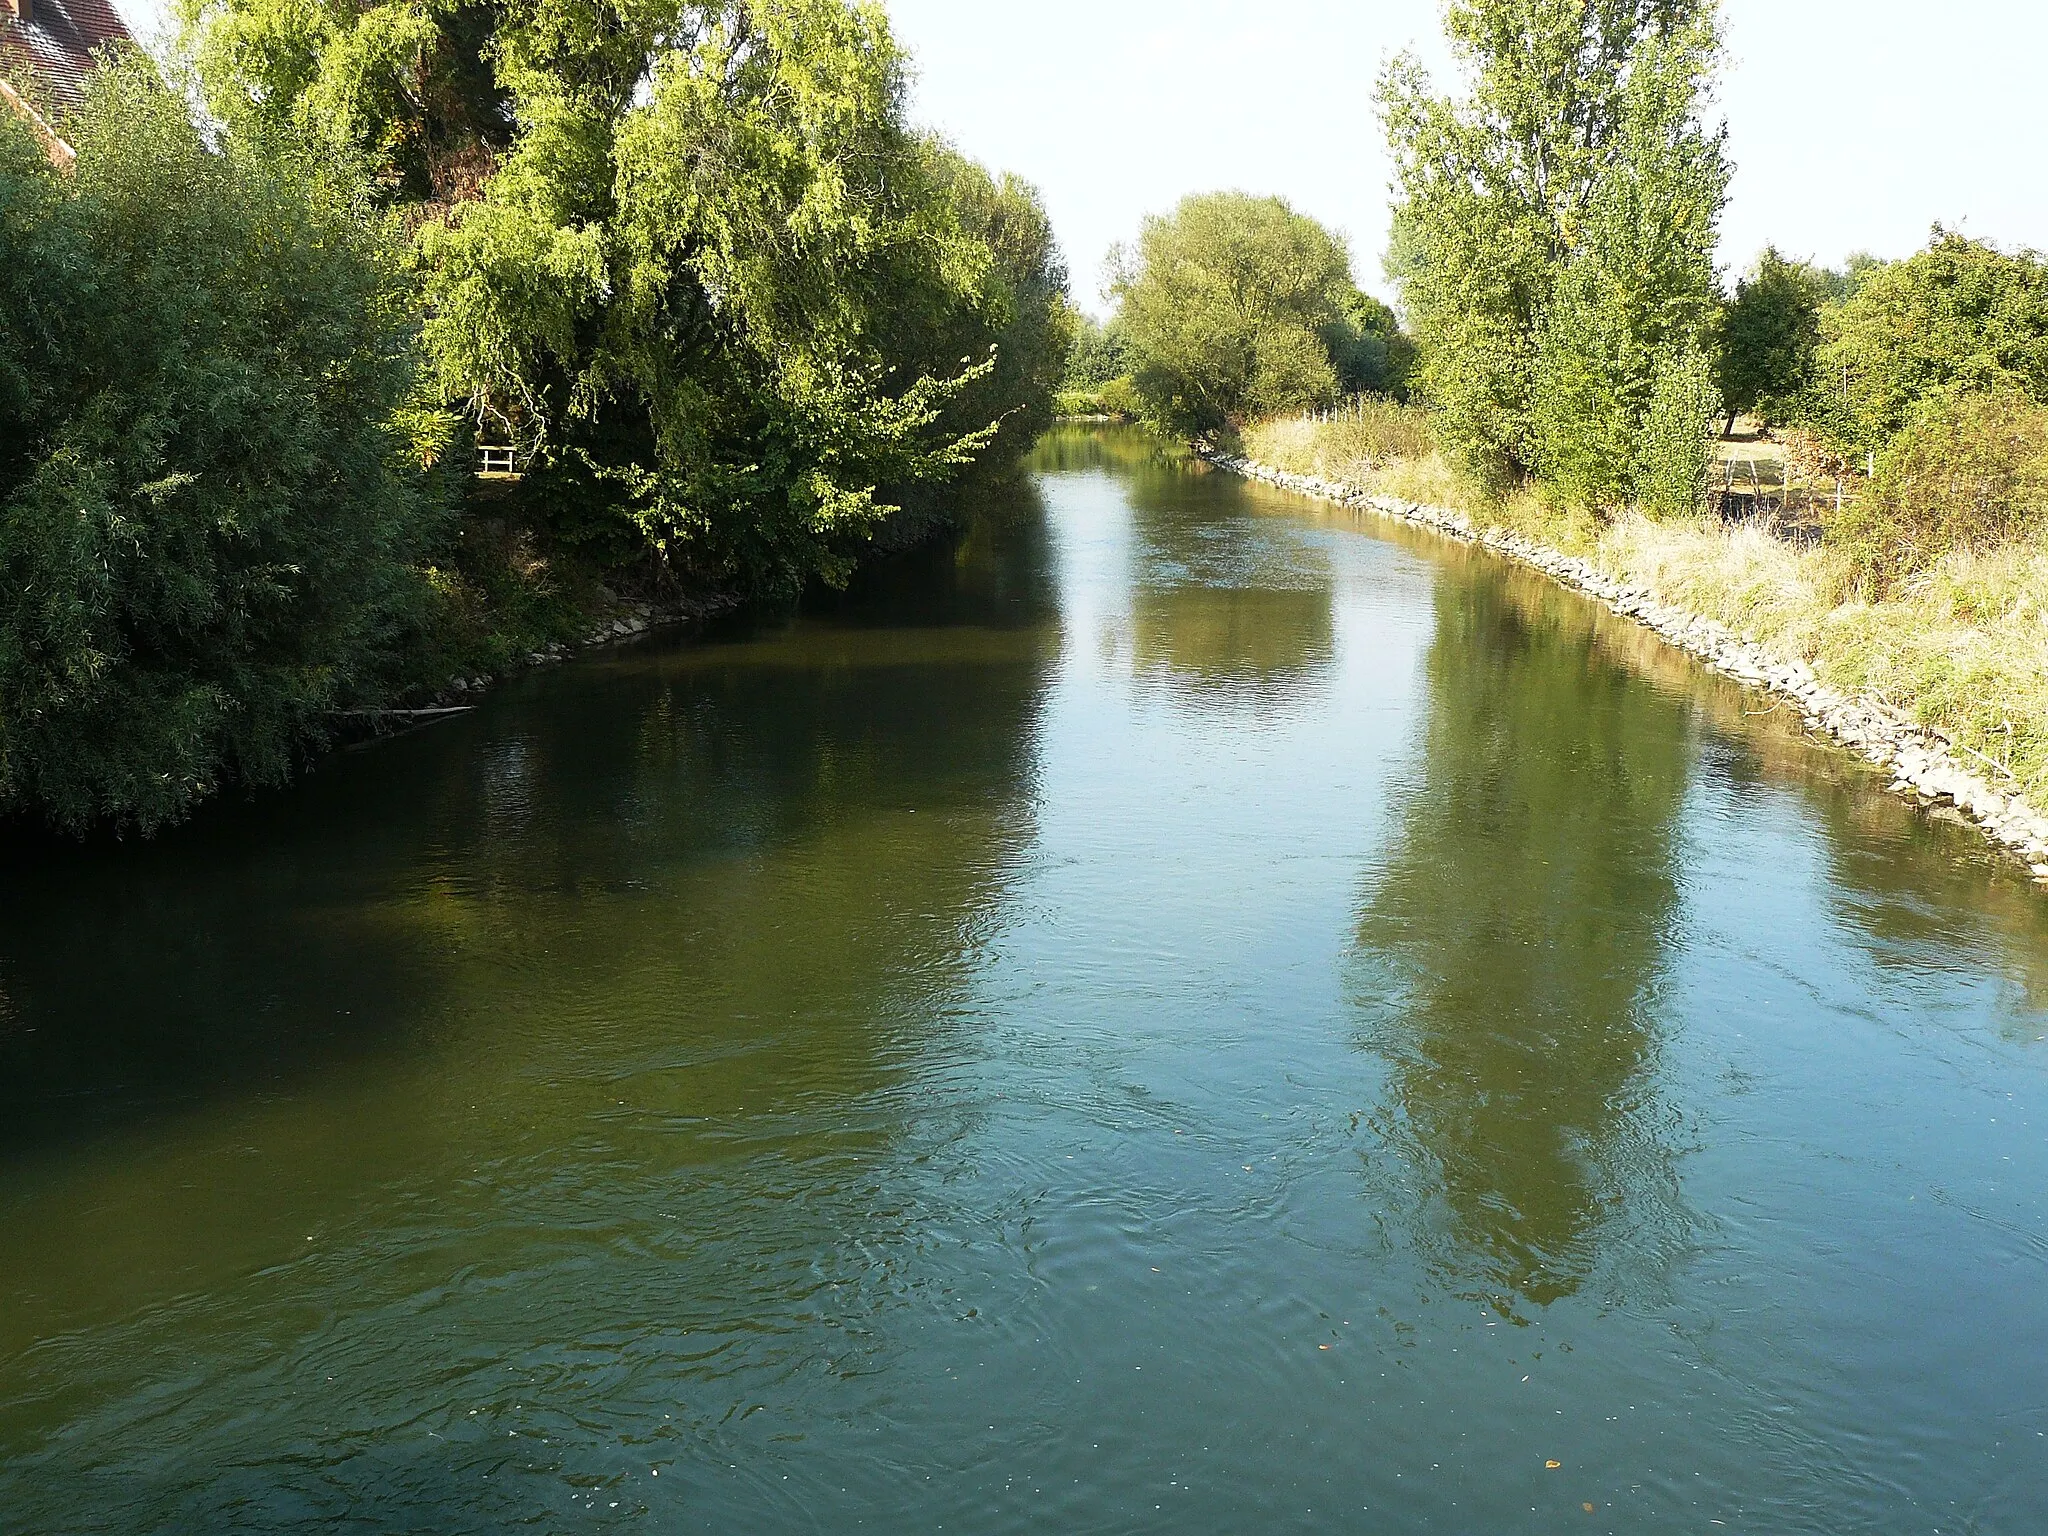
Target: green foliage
x=1371 y=353
x=1961 y=315
x=1119 y=398
x=1229 y=305
x=1102 y=352
x=1673 y=457
x=1770 y=333
x=209 y=502
x=687 y=256
x=1842 y=283
x=1020 y=309
x=1968 y=472
x=1554 y=231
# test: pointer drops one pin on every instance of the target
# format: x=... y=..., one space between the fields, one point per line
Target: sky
x=1854 y=125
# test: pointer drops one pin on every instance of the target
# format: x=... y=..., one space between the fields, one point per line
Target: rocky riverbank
x=1923 y=764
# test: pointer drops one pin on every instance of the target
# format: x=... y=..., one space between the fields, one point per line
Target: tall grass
x=1961 y=646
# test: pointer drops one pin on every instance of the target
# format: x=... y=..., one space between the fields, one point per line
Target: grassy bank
x=1962 y=649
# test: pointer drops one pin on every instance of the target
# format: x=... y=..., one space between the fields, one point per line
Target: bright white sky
x=1855 y=124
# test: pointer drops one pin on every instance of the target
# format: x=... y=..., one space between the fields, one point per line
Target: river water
x=1189 y=1012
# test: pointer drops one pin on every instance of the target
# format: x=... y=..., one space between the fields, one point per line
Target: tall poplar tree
x=1554 y=236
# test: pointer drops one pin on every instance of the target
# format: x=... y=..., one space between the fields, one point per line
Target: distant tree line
x=685 y=265
x=1554 y=231
x=1233 y=307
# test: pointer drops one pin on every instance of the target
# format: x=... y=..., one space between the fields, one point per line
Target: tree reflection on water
x=1510 y=946
x=1227 y=606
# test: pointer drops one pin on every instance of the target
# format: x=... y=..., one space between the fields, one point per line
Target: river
x=1190 y=1012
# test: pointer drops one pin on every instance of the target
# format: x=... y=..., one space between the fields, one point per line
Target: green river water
x=1189 y=1012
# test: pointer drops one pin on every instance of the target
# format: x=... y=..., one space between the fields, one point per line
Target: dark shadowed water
x=1185 y=1014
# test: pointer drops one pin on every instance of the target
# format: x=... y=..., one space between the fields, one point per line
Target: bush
x=1969 y=472
x=1120 y=397
x=1961 y=315
x=207 y=519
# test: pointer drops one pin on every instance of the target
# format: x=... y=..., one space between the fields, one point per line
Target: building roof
x=48 y=56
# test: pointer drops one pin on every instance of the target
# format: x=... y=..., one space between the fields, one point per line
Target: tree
x=1020 y=308
x=686 y=256
x=1769 y=335
x=1961 y=315
x=1371 y=353
x=211 y=509
x=1229 y=305
x=1554 y=230
x=1102 y=353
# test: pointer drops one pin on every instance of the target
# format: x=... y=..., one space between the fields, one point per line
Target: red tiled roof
x=49 y=55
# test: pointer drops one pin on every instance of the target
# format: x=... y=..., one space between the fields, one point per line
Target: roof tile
x=52 y=53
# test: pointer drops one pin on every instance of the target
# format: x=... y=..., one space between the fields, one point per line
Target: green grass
x=1962 y=648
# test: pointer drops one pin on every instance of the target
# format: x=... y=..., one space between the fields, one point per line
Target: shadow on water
x=1510 y=946
x=379 y=905
x=631 y=963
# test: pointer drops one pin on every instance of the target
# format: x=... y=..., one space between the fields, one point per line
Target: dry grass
x=1371 y=436
x=1963 y=648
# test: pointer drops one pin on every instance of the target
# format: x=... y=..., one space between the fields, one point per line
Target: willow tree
x=211 y=515
x=686 y=258
x=1231 y=306
x=1554 y=237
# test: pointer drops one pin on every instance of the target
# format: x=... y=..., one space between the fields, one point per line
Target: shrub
x=1969 y=472
x=207 y=518
x=1120 y=397
x=1961 y=315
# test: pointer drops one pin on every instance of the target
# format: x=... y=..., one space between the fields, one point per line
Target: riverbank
x=618 y=624
x=1657 y=575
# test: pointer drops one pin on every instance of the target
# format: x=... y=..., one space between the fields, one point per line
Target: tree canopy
x=1235 y=306
x=1960 y=315
x=1553 y=239
x=211 y=515
x=1770 y=332
x=687 y=257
